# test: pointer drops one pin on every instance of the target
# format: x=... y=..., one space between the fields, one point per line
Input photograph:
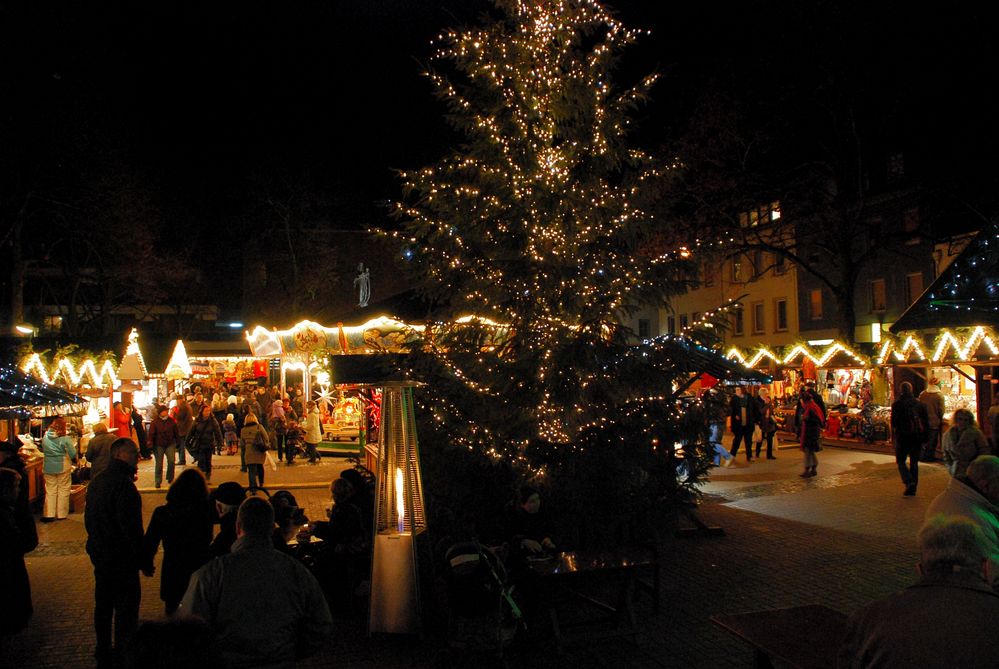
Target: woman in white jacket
x=313 y=433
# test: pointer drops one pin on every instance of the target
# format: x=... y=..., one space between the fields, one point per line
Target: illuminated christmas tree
x=536 y=228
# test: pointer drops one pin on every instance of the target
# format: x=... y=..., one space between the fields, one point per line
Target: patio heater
x=399 y=513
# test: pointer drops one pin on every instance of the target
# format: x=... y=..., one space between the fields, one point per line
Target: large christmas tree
x=535 y=227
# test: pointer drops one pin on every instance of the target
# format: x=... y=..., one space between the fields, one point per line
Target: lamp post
x=399 y=512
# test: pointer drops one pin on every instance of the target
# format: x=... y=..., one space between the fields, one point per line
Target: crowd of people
x=234 y=556
x=248 y=571
x=917 y=426
x=251 y=422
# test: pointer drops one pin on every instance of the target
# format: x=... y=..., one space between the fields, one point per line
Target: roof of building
x=965 y=294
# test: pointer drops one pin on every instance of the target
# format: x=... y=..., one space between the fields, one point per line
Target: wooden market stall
x=951 y=333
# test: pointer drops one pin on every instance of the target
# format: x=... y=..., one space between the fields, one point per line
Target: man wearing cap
x=113 y=518
x=228 y=496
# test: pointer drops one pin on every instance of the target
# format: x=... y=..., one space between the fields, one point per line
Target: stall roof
x=21 y=391
x=965 y=294
x=700 y=359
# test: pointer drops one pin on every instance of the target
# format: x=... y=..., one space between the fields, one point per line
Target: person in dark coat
x=113 y=518
x=909 y=423
x=525 y=525
x=99 y=449
x=227 y=497
x=364 y=495
x=139 y=429
x=163 y=437
x=207 y=436
x=953 y=597
x=345 y=558
x=18 y=536
x=184 y=526
x=743 y=417
x=811 y=420
x=11 y=459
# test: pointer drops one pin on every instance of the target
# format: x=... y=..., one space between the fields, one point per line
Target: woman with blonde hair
x=963 y=443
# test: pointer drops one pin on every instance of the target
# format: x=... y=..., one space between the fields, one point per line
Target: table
x=801 y=636
x=563 y=577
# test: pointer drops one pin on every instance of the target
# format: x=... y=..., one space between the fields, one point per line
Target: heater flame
x=400 y=504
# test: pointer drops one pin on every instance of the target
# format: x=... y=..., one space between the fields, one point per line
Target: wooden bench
x=808 y=637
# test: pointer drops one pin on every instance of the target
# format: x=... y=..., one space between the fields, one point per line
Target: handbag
x=757 y=434
x=259 y=443
x=191 y=443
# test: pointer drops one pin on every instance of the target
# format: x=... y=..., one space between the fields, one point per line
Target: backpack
x=912 y=423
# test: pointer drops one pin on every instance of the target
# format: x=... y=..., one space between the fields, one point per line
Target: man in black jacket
x=743 y=419
x=113 y=519
x=909 y=421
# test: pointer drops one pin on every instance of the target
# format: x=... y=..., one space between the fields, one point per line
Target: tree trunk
x=846 y=317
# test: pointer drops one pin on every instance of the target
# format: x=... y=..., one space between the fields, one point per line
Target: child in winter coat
x=293 y=440
x=231 y=435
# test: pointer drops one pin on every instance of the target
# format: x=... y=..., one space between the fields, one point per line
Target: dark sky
x=207 y=102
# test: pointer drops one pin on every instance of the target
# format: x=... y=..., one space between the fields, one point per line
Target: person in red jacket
x=121 y=418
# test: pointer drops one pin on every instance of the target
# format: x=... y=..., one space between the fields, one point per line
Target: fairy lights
x=86 y=373
x=963 y=351
x=179 y=366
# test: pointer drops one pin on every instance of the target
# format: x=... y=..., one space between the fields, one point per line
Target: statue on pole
x=363 y=279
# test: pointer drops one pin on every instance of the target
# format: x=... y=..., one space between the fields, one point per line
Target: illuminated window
x=780 y=315
x=737 y=325
x=815 y=304
x=913 y=287
x=879 y=295
x=52 y=323
x=759 y=324
x=763 y=214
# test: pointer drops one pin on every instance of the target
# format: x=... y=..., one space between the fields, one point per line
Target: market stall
x=951 y=333
x=303 y=351
x=854 y=392
x=23 y=400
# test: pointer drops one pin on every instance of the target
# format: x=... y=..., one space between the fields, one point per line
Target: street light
x=25 y=329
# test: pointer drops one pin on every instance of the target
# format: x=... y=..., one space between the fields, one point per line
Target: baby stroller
x=483 y=616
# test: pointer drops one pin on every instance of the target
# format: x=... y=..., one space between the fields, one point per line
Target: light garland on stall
x=74 y=376
x=963 y=347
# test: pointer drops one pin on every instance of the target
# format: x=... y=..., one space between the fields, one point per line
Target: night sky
x=207 y=104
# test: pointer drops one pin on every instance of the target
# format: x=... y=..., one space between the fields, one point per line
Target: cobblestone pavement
x=842 y=539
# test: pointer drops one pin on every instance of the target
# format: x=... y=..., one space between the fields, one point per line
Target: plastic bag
x=271 y=460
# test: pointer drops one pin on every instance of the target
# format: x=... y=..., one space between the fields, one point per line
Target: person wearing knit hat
x=228 y=496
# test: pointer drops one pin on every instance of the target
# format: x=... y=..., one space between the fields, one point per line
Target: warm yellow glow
x=963 y=352
x=400 y=501
x=86 y=373
x=179 y=366
x=266 y=343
